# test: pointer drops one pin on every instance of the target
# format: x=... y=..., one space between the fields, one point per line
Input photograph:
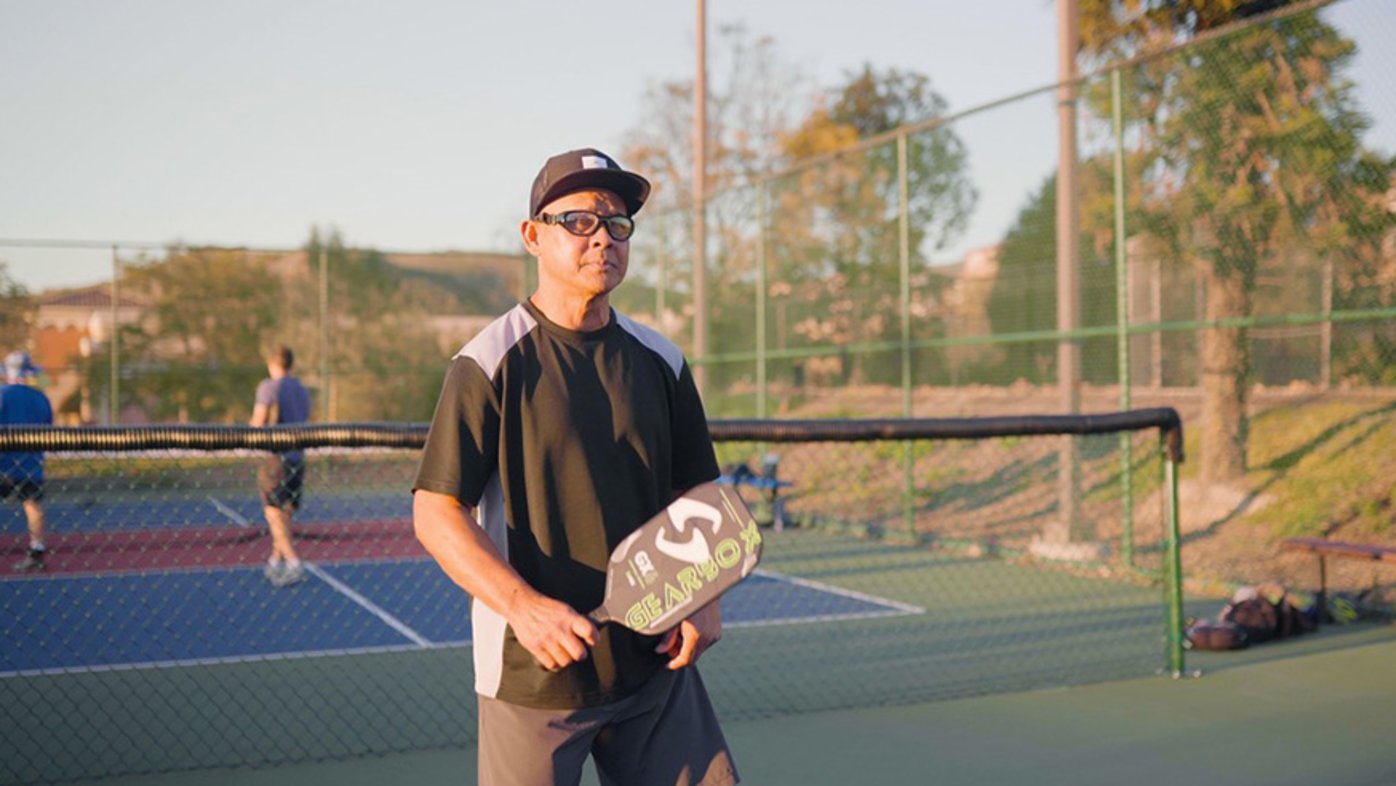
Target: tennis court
x=189 y=590
x=1305 y=711
x=155 y=645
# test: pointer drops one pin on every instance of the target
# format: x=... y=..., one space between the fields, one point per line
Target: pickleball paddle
x=680 y=560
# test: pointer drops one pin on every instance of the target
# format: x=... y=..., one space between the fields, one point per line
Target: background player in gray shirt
x=281 y=398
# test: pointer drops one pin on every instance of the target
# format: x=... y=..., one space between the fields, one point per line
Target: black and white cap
x=578 y=170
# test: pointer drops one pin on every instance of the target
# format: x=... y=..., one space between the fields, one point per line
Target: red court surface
x=204 y=547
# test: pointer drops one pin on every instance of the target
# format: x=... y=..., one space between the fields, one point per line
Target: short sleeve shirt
x=23 y=405
x=292 y=402
x=565 y=442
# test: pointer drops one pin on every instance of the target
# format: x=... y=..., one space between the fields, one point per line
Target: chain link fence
x=902 y=564
x=1235 y=258
x=1254 y=218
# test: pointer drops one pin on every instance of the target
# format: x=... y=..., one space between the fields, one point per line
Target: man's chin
x=605 y=278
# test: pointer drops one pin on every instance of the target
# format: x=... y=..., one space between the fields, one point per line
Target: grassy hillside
x=1322 y=464
x=1324 y=467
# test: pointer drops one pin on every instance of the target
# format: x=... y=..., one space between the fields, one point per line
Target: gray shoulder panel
x=490 y=345
x=655 y=341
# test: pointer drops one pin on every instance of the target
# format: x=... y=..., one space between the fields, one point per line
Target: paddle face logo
x=733 y=554
x=695 y=548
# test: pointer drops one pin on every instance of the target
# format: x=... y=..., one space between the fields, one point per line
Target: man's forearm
x=465 y=552
x=552 y=631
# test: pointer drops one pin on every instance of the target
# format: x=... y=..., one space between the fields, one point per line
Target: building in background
x=69 y=325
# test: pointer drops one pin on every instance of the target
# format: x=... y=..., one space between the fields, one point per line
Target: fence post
x=324 y=334
x=114 y=404
x=1122 y=323
x=761 y=212
x=904 y=307
x=661 y=266
x=1325 y=351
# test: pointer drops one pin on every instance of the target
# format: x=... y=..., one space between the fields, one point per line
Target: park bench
x=770 y=508
x=1325 y=548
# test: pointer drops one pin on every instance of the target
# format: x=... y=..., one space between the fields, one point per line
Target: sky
x=419 y=124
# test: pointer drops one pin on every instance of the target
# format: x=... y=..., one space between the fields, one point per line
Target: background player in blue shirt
x=22 y=473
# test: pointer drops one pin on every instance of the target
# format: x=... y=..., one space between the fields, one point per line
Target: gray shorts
x=280 y=481
x=666 y=733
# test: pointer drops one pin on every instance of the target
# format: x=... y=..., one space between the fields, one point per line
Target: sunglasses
x=584 y=223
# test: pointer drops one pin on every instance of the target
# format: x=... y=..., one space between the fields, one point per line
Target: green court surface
x=1316 y=710
x=832 y=623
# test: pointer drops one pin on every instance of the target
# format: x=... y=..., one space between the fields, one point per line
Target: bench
x=770 y=508
x=1325 y=548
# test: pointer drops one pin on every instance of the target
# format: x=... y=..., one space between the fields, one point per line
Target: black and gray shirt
x=566 y=441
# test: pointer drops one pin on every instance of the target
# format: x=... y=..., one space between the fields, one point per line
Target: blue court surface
x=195 y=509
x=228 y=614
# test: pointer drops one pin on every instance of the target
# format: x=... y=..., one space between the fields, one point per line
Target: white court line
x=852 y=615
x=342 y=588
x=237 y=518
x=230 y=659
x=372 y=608
x=891 y=608
x=903 y=608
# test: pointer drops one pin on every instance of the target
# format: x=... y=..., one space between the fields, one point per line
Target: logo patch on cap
x=595 y=162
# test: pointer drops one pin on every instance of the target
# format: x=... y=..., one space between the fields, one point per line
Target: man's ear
x=528 y=230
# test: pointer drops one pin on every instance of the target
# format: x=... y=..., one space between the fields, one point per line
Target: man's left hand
x=691 y=638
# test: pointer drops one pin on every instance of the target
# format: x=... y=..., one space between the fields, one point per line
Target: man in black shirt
x=562 y=427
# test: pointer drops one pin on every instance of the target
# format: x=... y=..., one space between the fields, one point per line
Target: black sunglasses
x=584 y=223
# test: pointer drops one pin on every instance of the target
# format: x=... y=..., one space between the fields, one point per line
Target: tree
x=753 y=97
x=198 y=354
x=1248 y=145
x=382 y=361
x=840 y=219
x=16 y=311
x=211 y=314
x=832 y=232
x=1024 y=295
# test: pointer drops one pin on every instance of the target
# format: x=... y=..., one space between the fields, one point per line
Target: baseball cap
x=578 y=170
x=18 y=365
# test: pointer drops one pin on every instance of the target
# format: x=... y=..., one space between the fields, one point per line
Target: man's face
x=587 y=266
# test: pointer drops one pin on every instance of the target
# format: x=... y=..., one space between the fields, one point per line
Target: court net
x=906 y=561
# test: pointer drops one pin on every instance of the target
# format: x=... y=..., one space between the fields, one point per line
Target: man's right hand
x=552 y=631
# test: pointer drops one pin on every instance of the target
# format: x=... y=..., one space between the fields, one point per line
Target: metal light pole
x=1066 y=528
x=700 y=176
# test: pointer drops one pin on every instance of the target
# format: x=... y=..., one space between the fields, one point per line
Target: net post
x=1171 y=439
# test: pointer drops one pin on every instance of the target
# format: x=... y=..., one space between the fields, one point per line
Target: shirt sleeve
x=694 y=461
x=462 y=447
x=266 y=392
